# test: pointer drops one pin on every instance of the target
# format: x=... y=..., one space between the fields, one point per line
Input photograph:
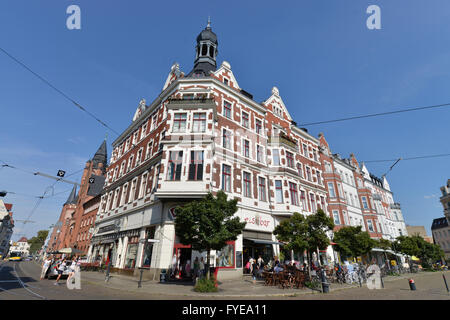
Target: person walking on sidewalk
x=202 y=268
x=45 y=266
x=254 y=270
x=196 y=268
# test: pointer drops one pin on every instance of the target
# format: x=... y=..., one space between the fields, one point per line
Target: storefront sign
x=258 y=221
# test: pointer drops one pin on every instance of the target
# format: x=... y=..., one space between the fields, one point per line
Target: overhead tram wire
x=40 y=198
x=411 y=158
x=58 y=90
x=376 y=115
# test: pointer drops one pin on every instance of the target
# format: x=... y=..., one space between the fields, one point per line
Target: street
x=20 y=281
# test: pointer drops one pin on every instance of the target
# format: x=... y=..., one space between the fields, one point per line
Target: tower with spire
x=205 y=53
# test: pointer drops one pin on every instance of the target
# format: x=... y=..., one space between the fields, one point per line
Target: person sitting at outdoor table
x=278 y=268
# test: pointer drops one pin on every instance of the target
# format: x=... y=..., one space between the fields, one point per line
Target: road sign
x=91 y=180
x=61 y=173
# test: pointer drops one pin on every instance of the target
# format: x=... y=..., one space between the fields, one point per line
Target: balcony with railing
x=282 y=139
x=395 y=206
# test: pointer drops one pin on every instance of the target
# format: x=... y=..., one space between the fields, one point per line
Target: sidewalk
x=228 y=288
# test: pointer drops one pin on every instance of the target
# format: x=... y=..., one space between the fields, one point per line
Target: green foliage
x=383 y=244
x=37 y=242
x=208 y=223
x=205 y=285
x=293 y=231
x=318 y=225
x=305 y=233
x=353 y=242
x=417 y=246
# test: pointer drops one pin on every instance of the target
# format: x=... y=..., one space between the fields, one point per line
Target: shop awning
x=265 y=241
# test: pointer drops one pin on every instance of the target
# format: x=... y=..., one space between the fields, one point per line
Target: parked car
x=52 y=272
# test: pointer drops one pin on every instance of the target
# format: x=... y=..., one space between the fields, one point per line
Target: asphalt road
x=20 y=281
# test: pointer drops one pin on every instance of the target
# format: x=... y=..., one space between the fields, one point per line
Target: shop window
x=148 y=247
x=225 y=256
x=130 y=258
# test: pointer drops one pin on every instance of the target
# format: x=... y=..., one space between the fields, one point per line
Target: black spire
x=206 y=53
x=101 y=157
x=73 y=196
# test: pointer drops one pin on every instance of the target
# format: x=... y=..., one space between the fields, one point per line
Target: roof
x=23 y=239
x=73 y=196
x=8 y=206
x=439 y=223
x=96 y=187
x=101 y=157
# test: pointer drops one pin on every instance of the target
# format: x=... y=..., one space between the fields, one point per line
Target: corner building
x=202 y=134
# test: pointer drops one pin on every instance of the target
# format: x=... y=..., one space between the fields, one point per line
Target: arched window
x=204 y=49
x=211 y=51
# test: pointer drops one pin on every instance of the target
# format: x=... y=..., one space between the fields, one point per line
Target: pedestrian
x=72 y=269
x=60 y=267
x=260 y=261
x=202 y=268
x=45 y=266
x=254 y=270
x=187 y=268
x=196 y=268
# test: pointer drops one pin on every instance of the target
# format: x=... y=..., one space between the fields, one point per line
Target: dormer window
x=225 y=80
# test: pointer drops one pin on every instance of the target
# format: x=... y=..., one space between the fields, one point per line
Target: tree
x=207 y=224
x=318 y=225
x=294 y=232
x=416 y=246
x=305 y=233
x=353 y=242
x=37 y=242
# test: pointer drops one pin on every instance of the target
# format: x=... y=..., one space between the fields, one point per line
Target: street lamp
x=3 y=193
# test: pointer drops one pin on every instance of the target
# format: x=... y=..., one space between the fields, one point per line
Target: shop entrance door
x=182 y=254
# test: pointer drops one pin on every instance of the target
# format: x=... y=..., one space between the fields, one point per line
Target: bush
x=205 y=285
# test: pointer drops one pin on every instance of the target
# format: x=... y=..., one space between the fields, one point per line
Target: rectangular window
x=322 y=203
x=259 y=153
x=196 y=166
x=258 y=126
x=370 y=225
x=331 y=190
x=179 y=122
x=226 y=139
x=149 y=150
x=279 y=191
x=154 y=122
x=312 y=198
x=246 y=148
x=262 y=188
x=294 y=194
x=132 y=191
x=276 y=157
x=226 y=178
x=308 y=174
x=290 y=160
x=336 y=217
x=143 y=185
x=144 y=131
x=199 y=122
x=175 y=164
x=247 y=185
x=245 y=121
x=227 y=109
x=319 y=179
x=124 y=194
x=364 y=203
x=299 y=170
x=303 y=200
x=305 y=150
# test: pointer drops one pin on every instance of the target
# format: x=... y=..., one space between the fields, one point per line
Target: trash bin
x=162 y=276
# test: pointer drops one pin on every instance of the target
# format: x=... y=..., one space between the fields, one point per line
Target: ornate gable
x=174 y=74
x=224 y=72
x=278 y=106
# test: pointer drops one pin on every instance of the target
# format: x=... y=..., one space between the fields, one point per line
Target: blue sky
x=326 y=63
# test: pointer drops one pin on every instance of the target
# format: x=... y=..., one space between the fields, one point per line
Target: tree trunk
x=309 y=263
x=208 y=257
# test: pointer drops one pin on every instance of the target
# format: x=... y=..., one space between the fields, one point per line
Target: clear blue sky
x=320 y=55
